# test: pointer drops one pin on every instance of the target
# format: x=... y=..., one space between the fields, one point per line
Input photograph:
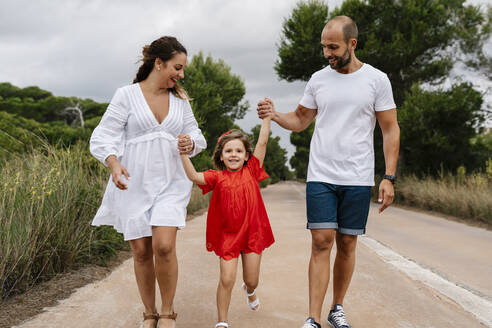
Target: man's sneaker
x=337 y=319
x=310 y=323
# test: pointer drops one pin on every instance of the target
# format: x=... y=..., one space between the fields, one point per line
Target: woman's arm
x=107 y=137
x=192 y=174
x=261 y=144
x=196 y=142
x=106 y=142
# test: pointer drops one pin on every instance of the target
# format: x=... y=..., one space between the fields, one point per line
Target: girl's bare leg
x=143 y=263
x=228 y=270
x=251 y=272
x=166 y=269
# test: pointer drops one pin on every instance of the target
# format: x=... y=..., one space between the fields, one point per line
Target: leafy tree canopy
x=217 y=96
x=300 y=159
x=438 y=127
x=414 y=42
x=19 y=134
x=40 y=105
x=410 y=40
x=275 y=158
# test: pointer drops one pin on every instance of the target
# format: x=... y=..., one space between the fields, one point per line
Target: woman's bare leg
x=166 y=269
x=143 y=263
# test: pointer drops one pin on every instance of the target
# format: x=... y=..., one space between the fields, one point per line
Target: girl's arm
x=192 y=174
x=261 y=144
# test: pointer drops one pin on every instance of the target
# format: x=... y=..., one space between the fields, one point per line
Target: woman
x=137 y=138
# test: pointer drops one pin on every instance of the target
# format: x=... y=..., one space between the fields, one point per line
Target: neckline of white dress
x=149 y=110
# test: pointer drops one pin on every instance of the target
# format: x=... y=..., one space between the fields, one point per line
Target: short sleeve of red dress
x=211 y=177
x=257 y=172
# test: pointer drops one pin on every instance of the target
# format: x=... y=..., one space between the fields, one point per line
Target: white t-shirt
x=342 y=150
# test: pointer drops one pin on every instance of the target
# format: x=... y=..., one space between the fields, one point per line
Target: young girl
x=237 y=221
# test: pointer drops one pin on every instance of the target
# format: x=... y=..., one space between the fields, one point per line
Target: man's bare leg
x=319 y=269
x=343 y=268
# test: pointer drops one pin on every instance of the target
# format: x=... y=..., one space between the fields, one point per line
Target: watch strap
x=391 y=178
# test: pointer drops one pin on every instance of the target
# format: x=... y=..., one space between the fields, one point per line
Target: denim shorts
x=344 y=208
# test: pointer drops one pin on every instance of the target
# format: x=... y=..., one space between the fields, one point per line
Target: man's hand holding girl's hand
x=265 y=108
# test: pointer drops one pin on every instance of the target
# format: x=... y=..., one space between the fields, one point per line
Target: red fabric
x=237 y=220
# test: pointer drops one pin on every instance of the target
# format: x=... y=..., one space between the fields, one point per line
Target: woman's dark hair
x=225 y=138
x=163 y=48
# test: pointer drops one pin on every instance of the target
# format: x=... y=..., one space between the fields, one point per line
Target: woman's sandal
x=222 y=324
x=171 y=316
x=151 y=316
x=255 y=305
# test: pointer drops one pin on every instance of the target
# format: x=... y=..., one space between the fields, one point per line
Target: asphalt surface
x=413 y=270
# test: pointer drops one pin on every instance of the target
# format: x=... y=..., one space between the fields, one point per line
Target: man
x=346 y=98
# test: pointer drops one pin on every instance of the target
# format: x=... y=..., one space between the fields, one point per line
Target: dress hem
x=241 y=251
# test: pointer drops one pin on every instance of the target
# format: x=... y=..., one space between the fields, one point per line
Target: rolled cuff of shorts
x=321 y=225
x=353 y=232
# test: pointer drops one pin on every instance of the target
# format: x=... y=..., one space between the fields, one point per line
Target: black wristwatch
x=391 y=178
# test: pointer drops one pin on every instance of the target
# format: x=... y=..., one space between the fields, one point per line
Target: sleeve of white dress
x=108 y=137
x=190 y=127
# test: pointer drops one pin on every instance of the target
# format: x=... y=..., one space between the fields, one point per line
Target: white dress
x=158 y=190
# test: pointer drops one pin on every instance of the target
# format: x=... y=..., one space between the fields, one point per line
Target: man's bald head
x=346 y=25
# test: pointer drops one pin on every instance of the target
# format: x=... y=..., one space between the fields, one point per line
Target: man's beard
x=341 y=61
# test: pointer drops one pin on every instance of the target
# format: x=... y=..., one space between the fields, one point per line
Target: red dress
x=237 y=220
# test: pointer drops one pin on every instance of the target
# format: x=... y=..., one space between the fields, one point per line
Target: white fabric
x=342 y=150
x=158 y=190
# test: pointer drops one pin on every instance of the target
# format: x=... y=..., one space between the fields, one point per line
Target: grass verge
x=48 y=197
x=467 y=197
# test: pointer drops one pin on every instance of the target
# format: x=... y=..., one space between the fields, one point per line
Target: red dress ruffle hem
x=237 y=220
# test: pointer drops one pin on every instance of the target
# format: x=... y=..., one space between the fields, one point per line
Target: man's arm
x=391 y=145
x=296 y=121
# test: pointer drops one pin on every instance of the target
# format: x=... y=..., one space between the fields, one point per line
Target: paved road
x=413 y=270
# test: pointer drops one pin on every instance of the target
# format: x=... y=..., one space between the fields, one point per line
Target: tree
x=413 y=41
x=275 y=158
x=217 y=96
x=410 y=40
x=40 y=105
x=299 y=52
x=8 y=90
x=19 y=134
x=439 y=126
x=300 y=160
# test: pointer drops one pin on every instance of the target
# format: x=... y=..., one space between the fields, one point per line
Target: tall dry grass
x=460 y=195
x=48 y=198
x=197 y=200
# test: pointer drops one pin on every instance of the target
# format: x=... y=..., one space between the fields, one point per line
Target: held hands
x=386 y=194
x=265 y=108
x=185 y=144
x=116 y=171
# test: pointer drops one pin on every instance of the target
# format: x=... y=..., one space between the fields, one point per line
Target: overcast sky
x=88 y=48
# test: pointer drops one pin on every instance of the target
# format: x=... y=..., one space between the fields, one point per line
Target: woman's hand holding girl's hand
x=116 y=171
x=185 y=144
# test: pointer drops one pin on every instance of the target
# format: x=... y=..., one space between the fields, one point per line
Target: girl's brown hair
x=163 y=48
x=225 y=138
